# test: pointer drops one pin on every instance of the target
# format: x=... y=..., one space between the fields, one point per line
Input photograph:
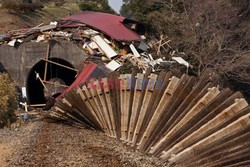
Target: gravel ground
x=50 y=144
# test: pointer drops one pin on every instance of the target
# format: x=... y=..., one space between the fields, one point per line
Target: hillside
x=13 y=20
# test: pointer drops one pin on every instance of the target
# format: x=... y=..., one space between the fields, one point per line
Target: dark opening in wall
x=35 y=89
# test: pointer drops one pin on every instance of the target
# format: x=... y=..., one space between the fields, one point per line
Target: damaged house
x=45 y=60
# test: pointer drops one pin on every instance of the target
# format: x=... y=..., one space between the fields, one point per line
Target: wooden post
x=8 y=123
x=46 y=63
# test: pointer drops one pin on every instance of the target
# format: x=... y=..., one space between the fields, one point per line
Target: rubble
x=113 y=65
x=106 y=38
x=98 y=38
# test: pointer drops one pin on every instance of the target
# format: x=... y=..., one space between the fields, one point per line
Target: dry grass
x=8 y=99
x=13 y=20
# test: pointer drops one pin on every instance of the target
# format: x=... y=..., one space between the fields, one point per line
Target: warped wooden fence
x=186 y=121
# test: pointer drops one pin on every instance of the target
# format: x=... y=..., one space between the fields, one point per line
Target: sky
x=115 y=4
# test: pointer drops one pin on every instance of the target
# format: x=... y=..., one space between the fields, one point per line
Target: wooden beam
x=159 y=111
x=61 y=65
x=46 y=63
x=37 y=105
x=38 y=77
x=52 y=83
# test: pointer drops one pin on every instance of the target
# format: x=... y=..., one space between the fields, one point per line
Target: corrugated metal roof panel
x=109 y=24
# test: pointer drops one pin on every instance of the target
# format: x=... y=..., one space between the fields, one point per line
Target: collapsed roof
x=109 y=24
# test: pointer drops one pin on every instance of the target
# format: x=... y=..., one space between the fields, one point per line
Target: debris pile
x=110 y=41
x=105 y=37
x=182 y=120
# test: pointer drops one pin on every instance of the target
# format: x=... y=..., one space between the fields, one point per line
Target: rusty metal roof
x=109 y=24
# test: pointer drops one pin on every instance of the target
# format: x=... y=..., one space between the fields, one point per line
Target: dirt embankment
x=48 y=144
x=17 y=20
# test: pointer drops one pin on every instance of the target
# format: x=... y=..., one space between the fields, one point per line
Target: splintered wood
x=185 y=121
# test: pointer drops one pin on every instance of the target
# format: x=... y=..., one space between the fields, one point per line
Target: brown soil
x=50 y=144
x=4 y=152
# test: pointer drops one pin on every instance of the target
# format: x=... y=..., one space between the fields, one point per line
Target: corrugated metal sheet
x=109 y=24
x=81 y=78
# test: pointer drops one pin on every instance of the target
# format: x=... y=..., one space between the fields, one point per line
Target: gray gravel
x=49 y=144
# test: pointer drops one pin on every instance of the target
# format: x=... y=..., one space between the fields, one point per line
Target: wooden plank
x=93 y=93
x=135 y=52
x=108 y=50
x=225 y=115
x=238 y=125
x=141 y=98
x=91 y=102
x=195 y=123
x=39 y=78
x=199 y=90
x=208 y=113
x=115 y=99
x=159 y=110
x=229 y=141
x=46 y=63
x=88 y=110
x=244 y=163
x=132 y=87
x=67 y=110
x=219 y=157
x=240 y=153
x=128 y=90
x=159 y=131
x=159 y=89
x=148 y=95
x=103 y=108
x=135 y=106
x=212 y=93
x=123 y=85
x=76 y=108
x=108 y=103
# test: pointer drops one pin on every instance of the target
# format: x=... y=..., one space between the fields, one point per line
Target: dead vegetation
x=12 y=20
x=210 y=35
x=13 y=6
x=8 y=99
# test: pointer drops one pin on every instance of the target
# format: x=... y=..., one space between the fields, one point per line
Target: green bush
x=8 y=99
x=89 y=6
x=97 y=6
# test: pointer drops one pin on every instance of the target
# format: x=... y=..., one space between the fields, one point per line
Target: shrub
x=8 y=99
x=90 y=6
x=98 y=6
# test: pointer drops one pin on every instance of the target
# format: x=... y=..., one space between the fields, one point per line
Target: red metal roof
x=81 y=78
x=109 y=24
